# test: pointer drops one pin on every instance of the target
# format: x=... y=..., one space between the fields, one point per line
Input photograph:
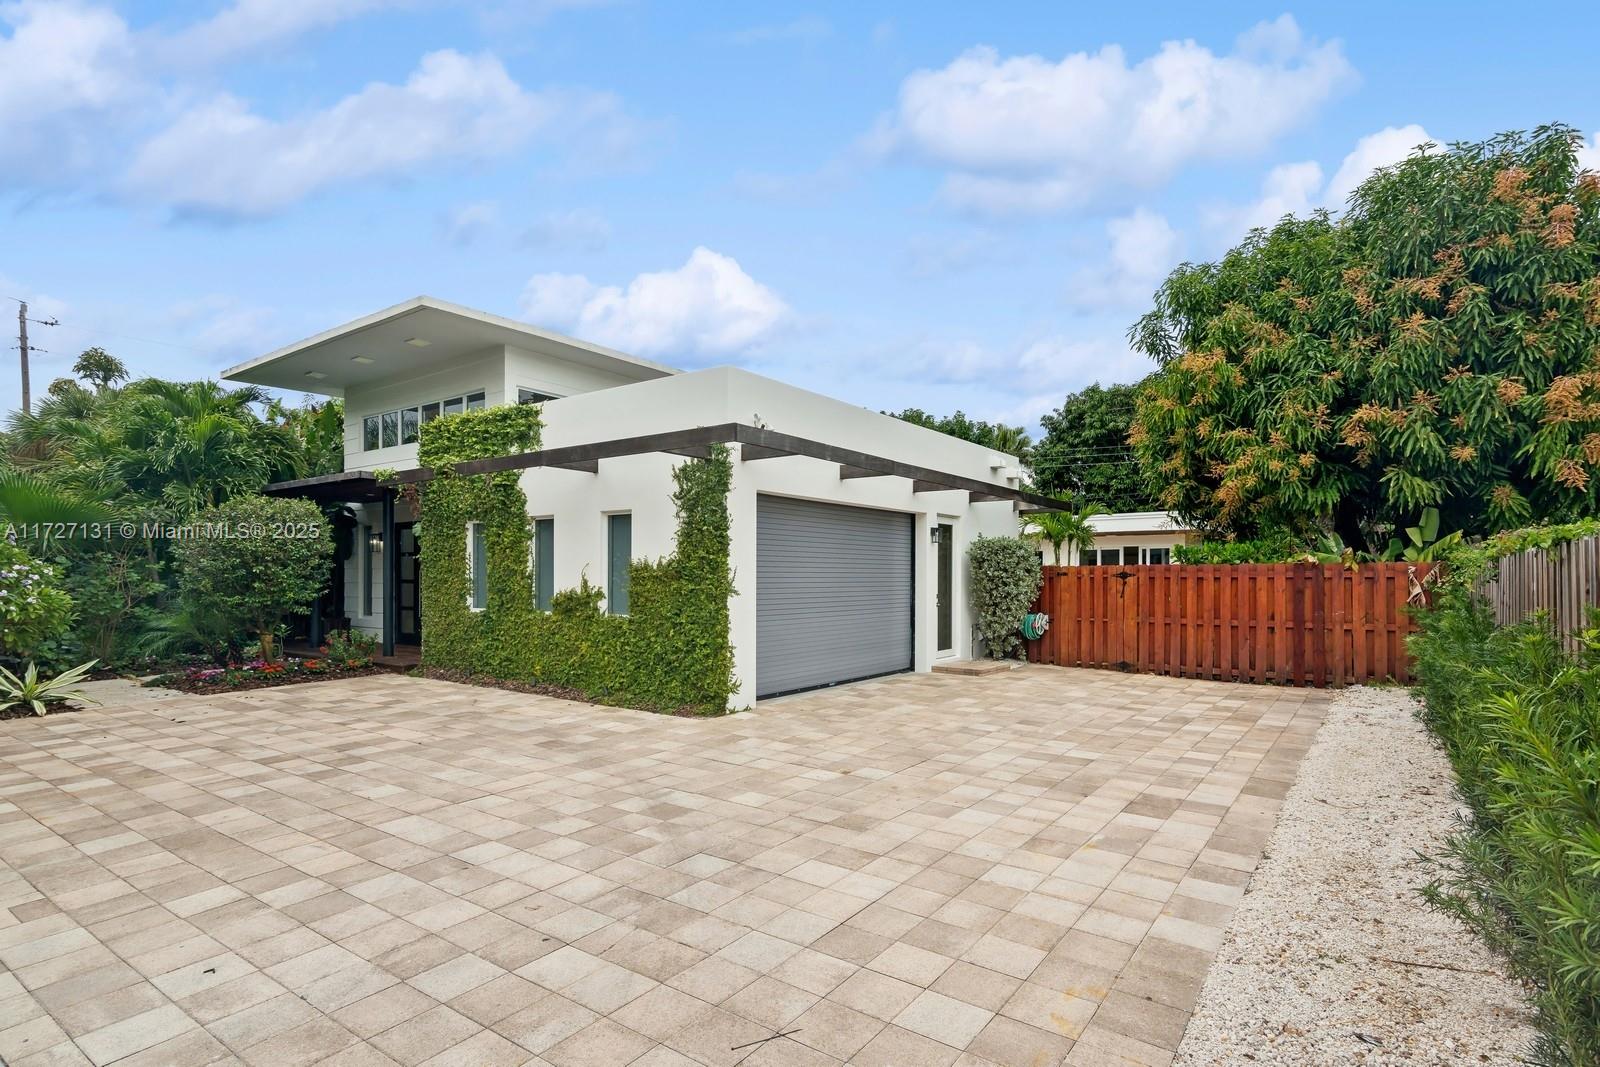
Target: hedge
x=1519 y=716
x=671 y=653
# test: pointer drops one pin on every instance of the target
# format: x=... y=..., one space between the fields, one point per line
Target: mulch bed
x=211 y=686
x=25 y=711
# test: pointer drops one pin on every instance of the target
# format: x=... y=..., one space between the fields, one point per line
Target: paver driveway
x=1021 y=869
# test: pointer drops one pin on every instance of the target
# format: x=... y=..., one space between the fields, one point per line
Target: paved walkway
x=1028 y=868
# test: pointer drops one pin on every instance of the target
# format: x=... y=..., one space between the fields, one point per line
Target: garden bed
x=237 y=679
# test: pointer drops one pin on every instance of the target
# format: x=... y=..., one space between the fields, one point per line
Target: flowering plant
x=33 y=610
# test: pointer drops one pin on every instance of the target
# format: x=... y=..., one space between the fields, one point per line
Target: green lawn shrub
x=1518 y=713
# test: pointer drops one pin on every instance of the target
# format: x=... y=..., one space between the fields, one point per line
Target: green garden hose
x=1034 y=624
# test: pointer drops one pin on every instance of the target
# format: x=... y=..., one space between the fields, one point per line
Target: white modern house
x=849 y=528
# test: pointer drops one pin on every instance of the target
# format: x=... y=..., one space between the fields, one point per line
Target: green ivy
x=671 y=653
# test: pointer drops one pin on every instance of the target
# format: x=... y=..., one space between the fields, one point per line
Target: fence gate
x=1291 y=624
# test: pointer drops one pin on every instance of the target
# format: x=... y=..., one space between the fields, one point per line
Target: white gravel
x=1332 y=941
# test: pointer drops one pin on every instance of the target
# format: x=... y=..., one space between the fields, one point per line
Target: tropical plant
x=33 y=609
x=1433 y=347
x=1426 y=545
x=31 y=691
x=257 y=560
x=1005 y=580
x=1518 y=714
x=1085 y=450
x=1069 y=529
x=100 y=368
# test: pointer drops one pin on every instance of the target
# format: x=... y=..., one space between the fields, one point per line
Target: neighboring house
x=849 y=528
x=1126 y=537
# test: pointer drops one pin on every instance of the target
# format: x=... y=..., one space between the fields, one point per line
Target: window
x=367 y=537
x=401 y=427
x=533 y=396
x=1158 y=555
x=477 y=567
x=544 y=562
x=619 y=560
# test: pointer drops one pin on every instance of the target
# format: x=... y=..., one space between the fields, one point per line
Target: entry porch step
x=974 y=667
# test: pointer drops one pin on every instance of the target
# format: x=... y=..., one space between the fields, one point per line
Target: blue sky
x=948 y=206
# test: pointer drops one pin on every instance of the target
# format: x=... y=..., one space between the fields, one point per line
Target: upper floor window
x=533 y=396
x=401 y=426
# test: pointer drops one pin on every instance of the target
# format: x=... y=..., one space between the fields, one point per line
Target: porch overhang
x=346 y=487
x=756 y=443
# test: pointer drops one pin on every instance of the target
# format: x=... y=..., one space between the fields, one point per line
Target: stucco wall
x=642 y=485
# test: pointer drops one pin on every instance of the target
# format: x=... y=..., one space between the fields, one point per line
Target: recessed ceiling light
x=361 y=359
x=418 y=342
x=315 y=374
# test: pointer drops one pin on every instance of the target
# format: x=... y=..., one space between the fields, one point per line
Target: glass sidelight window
x=477 y=567
x=544 y=562
x=619 y=562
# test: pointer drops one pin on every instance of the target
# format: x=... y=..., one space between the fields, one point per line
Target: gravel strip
x=1332 y=957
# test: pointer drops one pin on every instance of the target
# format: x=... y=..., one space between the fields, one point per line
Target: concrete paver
x=1031 y=867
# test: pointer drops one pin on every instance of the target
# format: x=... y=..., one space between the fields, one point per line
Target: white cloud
x=249 y=24
x=1589 y=153
x=222 y=158
x=65 y=69
x=1144 y=249
x=1298 y=188
x=708 y=306
x=579 y=229
x=1025 y=134
x=1045 y=363
x=465 y=224
x=807 y=28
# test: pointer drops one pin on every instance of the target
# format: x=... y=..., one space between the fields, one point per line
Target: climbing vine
x=671 y=652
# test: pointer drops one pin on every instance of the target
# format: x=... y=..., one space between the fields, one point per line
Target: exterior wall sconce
x=375 y=542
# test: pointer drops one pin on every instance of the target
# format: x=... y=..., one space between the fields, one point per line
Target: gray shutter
x=833 y=594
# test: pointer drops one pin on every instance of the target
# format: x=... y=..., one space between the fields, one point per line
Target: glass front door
x=407 y=587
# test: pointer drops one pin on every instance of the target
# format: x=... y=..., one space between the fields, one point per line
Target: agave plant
x=38 y=693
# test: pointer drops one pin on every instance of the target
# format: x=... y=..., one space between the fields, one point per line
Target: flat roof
x=410 y=338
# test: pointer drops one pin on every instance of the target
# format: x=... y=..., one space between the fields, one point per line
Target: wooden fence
x=1563 y=582
x=1290 y=623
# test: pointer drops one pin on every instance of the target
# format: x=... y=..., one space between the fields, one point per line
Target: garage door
x=833 y=594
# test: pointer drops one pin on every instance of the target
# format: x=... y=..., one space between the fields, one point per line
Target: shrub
x=1278 y=547
x=256 y=560
x=1519 y=716
x=350 y=647
x=1005 y=581
x=34 y=611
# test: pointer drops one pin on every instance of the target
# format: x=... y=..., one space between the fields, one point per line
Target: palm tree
x=1069 y=528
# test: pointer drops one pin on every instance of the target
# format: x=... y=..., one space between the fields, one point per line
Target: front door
x=947 y=561
x=408 y=623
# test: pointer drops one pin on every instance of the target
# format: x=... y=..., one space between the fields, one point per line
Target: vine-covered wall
x=671 y=653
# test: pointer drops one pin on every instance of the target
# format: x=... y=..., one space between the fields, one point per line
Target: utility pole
x=22 y=347
x=24 y=350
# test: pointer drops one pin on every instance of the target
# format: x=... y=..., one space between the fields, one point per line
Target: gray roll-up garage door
x=833 y=594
